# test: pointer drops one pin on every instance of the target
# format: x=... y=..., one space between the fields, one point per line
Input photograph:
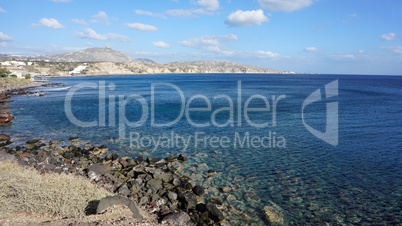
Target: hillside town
x=106 y=61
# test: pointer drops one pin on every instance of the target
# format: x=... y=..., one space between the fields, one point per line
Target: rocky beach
x=158 y=186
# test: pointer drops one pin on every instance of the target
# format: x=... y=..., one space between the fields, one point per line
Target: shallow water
x=358 y=181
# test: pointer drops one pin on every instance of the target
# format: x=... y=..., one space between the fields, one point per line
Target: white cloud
x=211 y=43
x=187 y=13
x=267 y=54
x=161 y=44
x=342 y=56
x=151 y=14
x=5 y=38
x=211 y=5
x=311 y=49
x=100 y=17
x=142 y=27
x=118 y=37
x=2 y=10
x=351 y=18
x=91 y=34
x=242 y=18
x=61 y=0
x=50 y=23
x=389 y=36
x=77 y=21
x=284 y=5
x=394 y=49
x=207 y=7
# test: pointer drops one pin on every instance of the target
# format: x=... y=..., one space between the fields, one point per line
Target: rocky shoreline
x=156 y=184
x=7 y=89
x=152 y=183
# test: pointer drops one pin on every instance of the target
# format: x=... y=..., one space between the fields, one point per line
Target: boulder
x=4 y=137
x=172 y=196
x=124 y=191
x=274 y=214
x=95 y=171
x=165 y=177
x=152 y=161
x=182 y=157
x=74 y=139
x=224 y=189
x=155 y=185
x=188 y=200
x=198 y=190
x=116 y=200
x=32 y=142
x=214 y=213
x=177 y=218
x=251 y=197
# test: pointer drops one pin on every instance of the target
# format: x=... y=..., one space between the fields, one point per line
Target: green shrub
x=28 y=76
x=4 y=72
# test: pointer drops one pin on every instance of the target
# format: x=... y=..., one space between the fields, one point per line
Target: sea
x=322 y=149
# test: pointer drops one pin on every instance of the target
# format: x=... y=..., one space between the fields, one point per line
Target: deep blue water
x=357 y=181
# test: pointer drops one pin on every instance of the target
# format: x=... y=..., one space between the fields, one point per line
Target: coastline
x=176 y=195
x=167 y=74
x=9 y=85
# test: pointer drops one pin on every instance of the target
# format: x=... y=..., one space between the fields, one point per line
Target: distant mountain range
x=105 y=54
x=102 y=56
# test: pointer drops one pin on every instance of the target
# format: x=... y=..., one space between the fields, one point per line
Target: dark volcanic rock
x=152 y=161
x=198 y=190
x=155 y=185
x=214 y=212
x=182 y=157
x=32 y=141
x=188 y=200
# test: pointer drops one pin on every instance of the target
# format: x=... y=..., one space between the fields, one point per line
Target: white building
x=77 y=70
x=19 y=73
x=13 y=62
x=6 y=63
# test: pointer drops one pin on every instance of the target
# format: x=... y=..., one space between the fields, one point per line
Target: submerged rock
x=274 y=214
x=214 y=212
x=74 y=139
x=198 y=190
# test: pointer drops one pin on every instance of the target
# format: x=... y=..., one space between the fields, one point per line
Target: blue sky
x=317 y=36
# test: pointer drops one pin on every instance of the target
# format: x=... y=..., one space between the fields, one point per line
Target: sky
x=311 y=36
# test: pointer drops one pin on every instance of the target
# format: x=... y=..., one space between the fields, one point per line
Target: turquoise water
x=357 y=181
